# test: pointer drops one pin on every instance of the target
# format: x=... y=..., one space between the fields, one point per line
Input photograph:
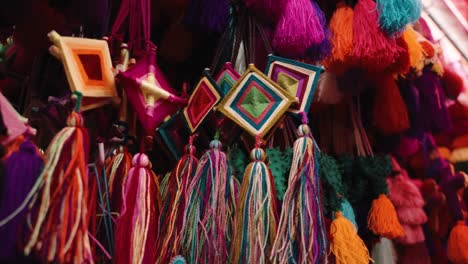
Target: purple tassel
x=432 y=99
x=298 y=29
x=410 y=94
x=208 y=15
x=323 y=49
x=22 y=169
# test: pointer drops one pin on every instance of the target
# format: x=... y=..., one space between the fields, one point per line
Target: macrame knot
x=303 y=130
x=75 y=120
x=257 y=154
x=140 y=160
x=216 y=144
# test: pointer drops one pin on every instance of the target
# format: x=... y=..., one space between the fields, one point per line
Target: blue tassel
x=394 y=15
x=348 y=212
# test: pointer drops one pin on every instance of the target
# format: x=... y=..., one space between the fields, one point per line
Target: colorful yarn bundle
x=394 y=15
x=137 y=224
x=60 y=227
x=322 y=50
x=382 y=219
x=301 y=229
x=298 y=28
x=341 y=26
x=209 y=207
x=172 y=211
x=389 y=111
x=373 y=49
x=256 y=213
x=415 y=50
x=21 y=171
x=345 y=243
x=117 y=168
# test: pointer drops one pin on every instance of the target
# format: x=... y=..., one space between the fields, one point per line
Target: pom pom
x=390 y=113
x=298 y=29
x=345 y=244
x=382 y=219
x=373 y=49
x=456 y=247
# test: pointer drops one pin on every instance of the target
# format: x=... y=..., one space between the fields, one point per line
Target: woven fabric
x=227 y=78
x=255 y=103
x=174 y=134
x=88 y=67
x=299 y=79
x=204 y=97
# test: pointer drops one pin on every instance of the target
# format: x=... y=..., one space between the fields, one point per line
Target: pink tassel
x=298 y=29
x=373 y=49
x=413 y=234
x=137 y=223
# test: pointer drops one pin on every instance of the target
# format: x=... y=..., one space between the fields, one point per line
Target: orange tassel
x=346 y=244
x=457 y=243
x=383 y=220
x=390 y=112
x=341 y=26
x=415 y=49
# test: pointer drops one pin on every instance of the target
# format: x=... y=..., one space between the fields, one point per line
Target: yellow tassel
x=346 y=245
x=457 y=242
x=383 y=219
x=415 y=49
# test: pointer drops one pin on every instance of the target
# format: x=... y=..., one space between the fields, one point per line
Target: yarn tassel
x=394 y=15
x=341 y=26
x=117 y=166
x=22 y=169
x=382 y=219
x=209 y=15
x=323 y=49
x=172 y=212
x=390 y=112
x=383 y=252
x=137 y=223
x=209 y=207
x=415 y=49
x=458 y=239
x=300 y=224
x=256 y=214
x=298 y=29
x=345 y=244
x=373 y=49
x=59 y=229
x=348 y=212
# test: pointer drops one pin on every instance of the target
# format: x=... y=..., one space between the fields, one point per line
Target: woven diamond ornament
x=204 y=97
x=299 y=79
x=149 y=92
x=227 y=78
x=256 y=103
x=174 y=134
x=88 y=67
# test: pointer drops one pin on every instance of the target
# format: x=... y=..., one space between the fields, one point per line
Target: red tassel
x=390 y=113
x=117 y=168
x=172 y=214
x=373 y=49
x=137 y=223
x=60 y=228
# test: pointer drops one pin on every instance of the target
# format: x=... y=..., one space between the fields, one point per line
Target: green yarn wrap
x=332 y=183
x=280 y=162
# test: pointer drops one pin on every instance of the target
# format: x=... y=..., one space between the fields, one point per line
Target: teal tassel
x=348 y=212
x=394 y=15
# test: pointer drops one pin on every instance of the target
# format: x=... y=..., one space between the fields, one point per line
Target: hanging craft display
x=149 y=92
x=256 y=103
x=299 y=79
x=88 y=67
x=204 y=97
x=227 y=78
